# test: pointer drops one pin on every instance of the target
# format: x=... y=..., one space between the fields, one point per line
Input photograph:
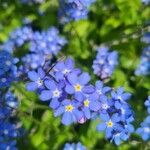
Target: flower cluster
x=74 y=146
x=72 y=97
x=8 y=69
x=42 y=45
x=144 y=130
x=105 y=62
x=68 y=90
x=73 y=10
x=144 y=66
x=17 y=38
x=116 y=116
x=8 y=129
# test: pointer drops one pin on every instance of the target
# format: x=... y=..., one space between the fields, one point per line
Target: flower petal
x=33 y=76
x=69 y=89
x=50 y=84
x=72 y=78
x=101 y=127
x=32 y=86
x=84 y=78
x=67 y=118
x=45 y=95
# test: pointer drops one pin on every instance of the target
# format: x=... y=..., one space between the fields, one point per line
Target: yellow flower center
x=78 y=87
x=86 y=103
x=69 y=108
x=110 y=123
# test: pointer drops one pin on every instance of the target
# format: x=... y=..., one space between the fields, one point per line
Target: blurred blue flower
x=105 y=62
x=144 y=66
x=47 y=42
x=147 y=103
x=146 y=2
x=37 y=79
x=17 y=38
x=8 y=129
x=144 y=130
x=70 y=10
x=8 y=69
x=74 y=146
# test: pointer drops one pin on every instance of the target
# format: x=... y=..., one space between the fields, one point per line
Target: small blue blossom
x=110 y=124
x=105 y=62
x=78 y=84
x=37 y=79
x=100 y=89
x=74 y=146
x=144 y=130
x=89 y=104
x=63 y=68
x=69 y=111
x=53 y=93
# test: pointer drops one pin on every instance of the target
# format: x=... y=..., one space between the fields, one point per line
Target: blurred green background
x=118 y=23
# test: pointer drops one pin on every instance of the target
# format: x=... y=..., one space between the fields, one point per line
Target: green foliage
x=112 y=22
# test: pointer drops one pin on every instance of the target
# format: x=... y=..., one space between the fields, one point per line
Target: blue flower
x=110 y=124
x=63 y=68
x=78 y=84
x=147 y=103
x=37 y=79
x=69 y=111
x=144 y=130
x=89 y=104
x=74 y=146
x=105 y=62
x=100 y=89
x=120 y=95
x=53 y=92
